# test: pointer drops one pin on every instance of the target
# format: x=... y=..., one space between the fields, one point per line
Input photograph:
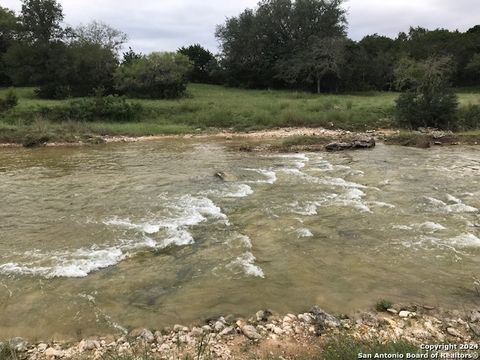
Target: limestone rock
x=250 y=332
x=360 y=143
x=18 y=344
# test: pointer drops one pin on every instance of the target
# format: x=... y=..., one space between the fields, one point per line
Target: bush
x=53 y=91
x=427 y=99
x=107 y=108
x=383 y=305
x=104 y=107
x=9 y=102
x=469 y=118
x=437 y=110
x=155 y=76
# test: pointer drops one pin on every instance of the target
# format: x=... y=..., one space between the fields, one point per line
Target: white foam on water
x=304 y=233
x=189 y=211
x=432 y=227
x=271 y=176
x=247 y=263
x=301 y=156
x=240 y=239
x=381 y=204
x=457 y=207
x=307 y=209
x=466 y=240
x=299 y=164
x=340 y=182
x=77 y=264
x=353 y=197
x=402 y=227
x=461 y=208
x=294 y=172
x=354 y=194
x=453 y=199
x=241 y=191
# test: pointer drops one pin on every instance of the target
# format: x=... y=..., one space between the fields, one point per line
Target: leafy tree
x=257 y=46
x=323 y=57
x=41 y=20
x=158 y=76
x=101 y=34
x=473 y=67
x=130 y=56
x=8 y=29
x=92 y=68
x=204 y=63
x=428 y=99
x=9 y=101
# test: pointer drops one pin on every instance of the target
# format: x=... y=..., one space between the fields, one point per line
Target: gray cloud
x=168 y=24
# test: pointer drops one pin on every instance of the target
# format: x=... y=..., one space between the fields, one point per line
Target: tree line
x=303 y=44
x=281 y=44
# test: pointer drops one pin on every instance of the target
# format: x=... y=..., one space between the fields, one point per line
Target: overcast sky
x=154 y=25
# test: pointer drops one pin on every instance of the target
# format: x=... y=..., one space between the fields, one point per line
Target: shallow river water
x=99 y=239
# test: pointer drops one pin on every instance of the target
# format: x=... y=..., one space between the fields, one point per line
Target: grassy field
x=209 y=108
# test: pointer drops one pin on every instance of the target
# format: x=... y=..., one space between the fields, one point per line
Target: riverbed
x=102 y=239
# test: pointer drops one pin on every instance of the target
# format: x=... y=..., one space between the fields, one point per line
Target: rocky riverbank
x=267 y=335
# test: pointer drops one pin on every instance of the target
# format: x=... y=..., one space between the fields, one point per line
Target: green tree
x=130 y=56
x=427 y=99
x=92 y=68
x=310 y=66
x=101 y=34
x=156 y=76
x=258 y=46
x=204 y=63
x=473 y=67
x=41 y=20
x=8 y=29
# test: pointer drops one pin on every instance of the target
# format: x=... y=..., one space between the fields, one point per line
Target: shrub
x=9 y=101
x=53 y=91
x=383 y=305
x=427 y=100
x=155 y=76
x=437 y=110
x=106 y=108
x=469 y=118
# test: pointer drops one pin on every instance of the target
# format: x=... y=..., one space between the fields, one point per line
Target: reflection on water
x=97 y=240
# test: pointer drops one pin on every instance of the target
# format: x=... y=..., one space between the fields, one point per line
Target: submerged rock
x=360 y=143
x=225 y=176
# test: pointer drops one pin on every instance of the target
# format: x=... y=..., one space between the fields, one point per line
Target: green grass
x=344 y=347
x=209 y=107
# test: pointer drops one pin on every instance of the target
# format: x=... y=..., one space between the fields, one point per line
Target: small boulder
x=53 y=353
x=475 y=328
x=406 y=314
x=18 y=344
x=250 y=332
x=88 y=345
x=263 y=315
x=219 y=326
x=454 y=332
x=359 y=143
x=226 y=176
x=227 y=331
x=143 y=334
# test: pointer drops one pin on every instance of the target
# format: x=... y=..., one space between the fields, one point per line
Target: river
x=96 y=240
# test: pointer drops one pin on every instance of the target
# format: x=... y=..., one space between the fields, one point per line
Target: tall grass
x=210 y=106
